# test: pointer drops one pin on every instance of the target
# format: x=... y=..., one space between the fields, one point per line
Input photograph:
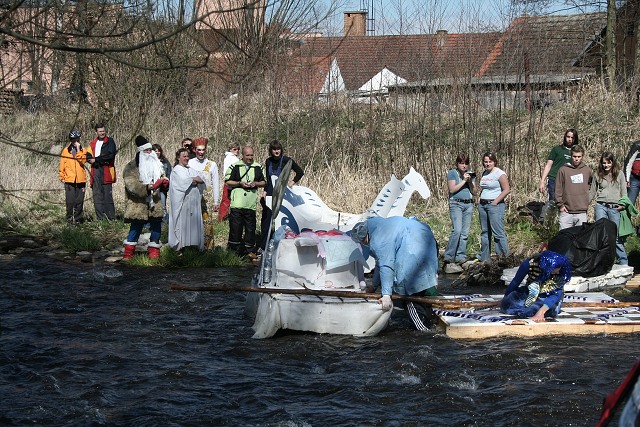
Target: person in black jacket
x=272 y=167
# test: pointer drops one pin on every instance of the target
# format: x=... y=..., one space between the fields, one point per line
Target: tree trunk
x=635 y=85
x=610 y=46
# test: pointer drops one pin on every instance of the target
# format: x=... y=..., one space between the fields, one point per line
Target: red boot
x=153 y=250
x=129 y=250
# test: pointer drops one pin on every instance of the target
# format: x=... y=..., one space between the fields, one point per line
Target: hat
x=142 y=143
x=200 y=141
x=359 y=232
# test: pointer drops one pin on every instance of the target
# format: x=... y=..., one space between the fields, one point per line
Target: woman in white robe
x=185 y=214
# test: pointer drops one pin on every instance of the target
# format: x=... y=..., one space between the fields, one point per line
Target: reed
x=348 y=150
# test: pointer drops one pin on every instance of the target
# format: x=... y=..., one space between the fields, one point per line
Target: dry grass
x=348 y=151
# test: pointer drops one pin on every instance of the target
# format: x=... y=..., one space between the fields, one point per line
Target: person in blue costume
x=541 y=294
x=406 y=255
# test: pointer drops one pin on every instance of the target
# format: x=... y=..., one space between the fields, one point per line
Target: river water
x=98 y=344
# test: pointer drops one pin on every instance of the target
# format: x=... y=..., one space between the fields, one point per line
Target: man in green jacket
x=244 y=178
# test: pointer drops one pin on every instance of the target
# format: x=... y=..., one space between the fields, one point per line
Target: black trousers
x=242 y=230
x=74 y=199
x=103 y=196
x=265 y=222
x=421 y=315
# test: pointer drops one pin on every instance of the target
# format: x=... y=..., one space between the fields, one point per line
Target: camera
x=472 y=174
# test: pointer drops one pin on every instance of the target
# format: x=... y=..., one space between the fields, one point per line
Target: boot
x=129 y=250
x=153 y=250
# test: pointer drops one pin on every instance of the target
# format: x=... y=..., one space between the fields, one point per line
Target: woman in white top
x=495 y=188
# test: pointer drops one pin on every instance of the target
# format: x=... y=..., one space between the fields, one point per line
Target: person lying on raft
x=541 y=294
x=406 y=257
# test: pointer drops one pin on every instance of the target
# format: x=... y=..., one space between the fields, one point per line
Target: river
x=100 y=344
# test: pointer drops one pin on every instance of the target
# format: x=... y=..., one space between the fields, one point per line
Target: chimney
x=441 y=37
x=355 y=23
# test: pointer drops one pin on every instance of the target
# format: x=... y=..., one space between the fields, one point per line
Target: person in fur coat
x=143 y=178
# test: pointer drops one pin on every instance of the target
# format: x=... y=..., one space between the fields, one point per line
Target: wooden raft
x=571 y=321
x=634 y=282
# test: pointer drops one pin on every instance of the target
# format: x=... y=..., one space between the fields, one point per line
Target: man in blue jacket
x=406 y=255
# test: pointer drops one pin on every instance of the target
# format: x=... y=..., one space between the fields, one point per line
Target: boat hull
x=321 y=314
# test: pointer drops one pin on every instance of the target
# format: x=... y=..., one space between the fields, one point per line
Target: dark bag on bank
x=590 y=247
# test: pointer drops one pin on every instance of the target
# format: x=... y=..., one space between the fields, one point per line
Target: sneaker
x=452 y=268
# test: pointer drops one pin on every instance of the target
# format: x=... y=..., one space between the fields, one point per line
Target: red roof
x=413 y=57
x=544 y=45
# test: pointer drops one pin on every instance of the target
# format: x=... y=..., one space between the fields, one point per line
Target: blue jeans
x=165 y=213
x=634 y=188
x=551 y=189
x=492 y=225
x=461 y=214
x=155 y=225
x=613 y=215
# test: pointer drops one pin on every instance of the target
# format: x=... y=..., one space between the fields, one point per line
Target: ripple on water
x=114 y=346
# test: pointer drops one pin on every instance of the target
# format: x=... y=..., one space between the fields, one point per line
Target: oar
x=438 y=302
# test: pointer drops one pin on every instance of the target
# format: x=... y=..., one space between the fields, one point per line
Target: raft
x=584 y=320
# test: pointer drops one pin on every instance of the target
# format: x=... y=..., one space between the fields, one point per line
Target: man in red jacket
x=101 y=155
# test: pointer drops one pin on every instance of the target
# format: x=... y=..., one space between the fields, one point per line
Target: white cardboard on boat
x=300 y=266
x=617 y=276
x=321 y=262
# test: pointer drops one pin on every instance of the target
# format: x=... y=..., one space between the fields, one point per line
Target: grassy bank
x=348 y=152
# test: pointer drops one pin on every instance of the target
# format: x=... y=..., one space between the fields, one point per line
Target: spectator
x=185 y=205
x=572 y=190
x=461 y=188
x=143 y=177
x=230 y=157
x=101 y=155
x=608 y=186
x=541 y=296
x=188 y=144
x=273 y=166
x=558 y=156
x=74 y=177
x=495 y=188
x=244 y=177
x=166 y=165
x=208 y=169
x=632 y=171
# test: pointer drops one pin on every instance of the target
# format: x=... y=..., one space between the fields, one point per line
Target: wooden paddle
x=440 y=302
x=435 y=301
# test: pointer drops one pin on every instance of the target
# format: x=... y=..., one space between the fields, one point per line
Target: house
x=593 y=54
x=533 y=58
x=362 y=62
x=536 y=54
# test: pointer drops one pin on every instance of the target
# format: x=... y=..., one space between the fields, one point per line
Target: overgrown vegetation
x=190 y=257
x=348 y=152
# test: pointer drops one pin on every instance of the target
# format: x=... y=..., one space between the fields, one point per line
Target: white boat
x=323 y=263
x=297 y=264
